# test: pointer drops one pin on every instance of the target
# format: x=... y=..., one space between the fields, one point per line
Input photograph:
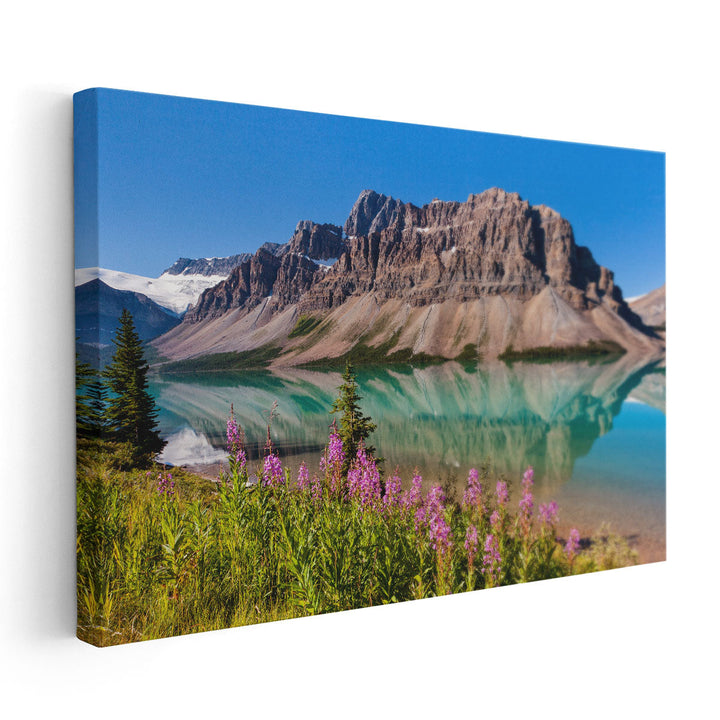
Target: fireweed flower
x=369 y=483
x=496 y=521
x=336 y=454
x=303 y=481
x=413 y=497
x=235 y=442
x=273 y=471
x=240 y=459
x=548 y=513
x=393 y=487
x=528 y=477
x=440 y=533
x=332 y=461
x=501 y=492
x=573 y=544
x=166 y=485
x=233 y=434
x=438 y=528
x=353 y=481
x=526 y=501
x=471 y=544
x=472 y=499
x=492 y=562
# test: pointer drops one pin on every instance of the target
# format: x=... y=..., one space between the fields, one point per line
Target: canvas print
x=326 y=363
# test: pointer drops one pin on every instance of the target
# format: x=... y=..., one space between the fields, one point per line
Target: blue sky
x=192 y=178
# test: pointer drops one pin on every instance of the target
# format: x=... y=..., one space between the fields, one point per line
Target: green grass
x=468 y=353
x=591 y=349
x=250 y=359
x=364 y=354
x=216 y=555
x=305 y=325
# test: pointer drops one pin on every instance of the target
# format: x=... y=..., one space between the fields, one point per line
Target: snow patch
x=324 y=264
x=174 y=292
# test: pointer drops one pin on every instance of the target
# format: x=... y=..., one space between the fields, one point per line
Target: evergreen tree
x=83 y=377
x=90 y=400
x=131 y=413
x=96 y=397
x=354 y=426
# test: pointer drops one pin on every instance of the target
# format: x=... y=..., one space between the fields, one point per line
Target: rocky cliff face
x=493 y=244
x=206 y=266
x=220 y=265
x=281 y=272
x=319 y=242
x=493 y=271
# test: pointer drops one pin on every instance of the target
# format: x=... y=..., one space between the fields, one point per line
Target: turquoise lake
x=593 y=431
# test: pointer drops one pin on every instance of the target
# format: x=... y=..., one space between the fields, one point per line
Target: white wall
x=631 y=642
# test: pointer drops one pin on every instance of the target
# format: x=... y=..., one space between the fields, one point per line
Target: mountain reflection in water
x=442 y=419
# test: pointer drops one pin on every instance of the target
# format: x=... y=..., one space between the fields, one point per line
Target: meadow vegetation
x=162 y=552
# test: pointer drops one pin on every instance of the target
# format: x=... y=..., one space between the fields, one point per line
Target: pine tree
x=354 y=426
x=96 y=395
x=90 y=400
x=131 y=413
x=83 y=377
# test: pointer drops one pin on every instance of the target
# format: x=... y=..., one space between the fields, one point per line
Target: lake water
x=593 y=431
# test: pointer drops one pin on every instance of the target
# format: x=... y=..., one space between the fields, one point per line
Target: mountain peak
x=372 y=212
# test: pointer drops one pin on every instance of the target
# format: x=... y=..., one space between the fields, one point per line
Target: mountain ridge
x=97 y=312
x=492 y=272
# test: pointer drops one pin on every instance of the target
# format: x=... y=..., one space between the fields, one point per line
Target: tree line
x=114 y=404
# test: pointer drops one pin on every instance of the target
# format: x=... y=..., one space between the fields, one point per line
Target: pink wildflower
x=364 y=479
x=526 y=501
x=393 y=487
x=501 y=492
x=438 y=529
x=273 y=475
x=303 y=481
x=472 y=499
x=548 y=513
x=573 y=544
x=332 y=461
x=413 y=497
x=166 y=485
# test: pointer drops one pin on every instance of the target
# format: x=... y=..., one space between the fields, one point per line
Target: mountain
x=97 y=312
x=173 y=291
x=651 y=308
x=445 y=279
x=206 y=266
x=287 y=273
